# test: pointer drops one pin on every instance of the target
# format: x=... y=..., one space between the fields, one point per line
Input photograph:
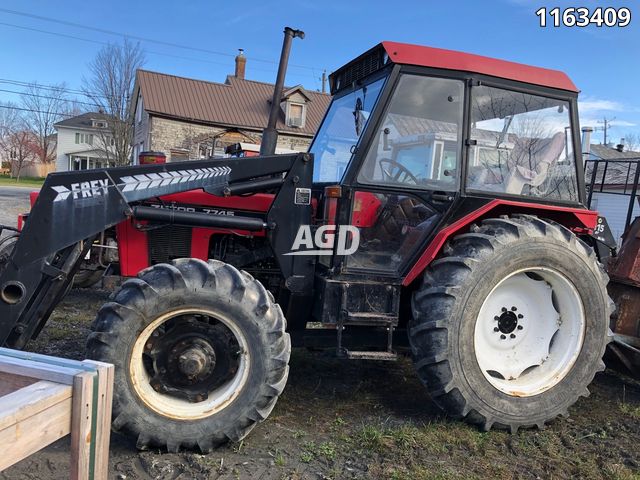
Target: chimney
x=241 y=64
x=586 y=142
x=620 y=147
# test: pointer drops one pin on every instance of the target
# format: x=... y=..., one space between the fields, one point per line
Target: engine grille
x=168 y=243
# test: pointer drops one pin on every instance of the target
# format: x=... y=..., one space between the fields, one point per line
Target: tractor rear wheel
x=509 y=326
x=200 y=351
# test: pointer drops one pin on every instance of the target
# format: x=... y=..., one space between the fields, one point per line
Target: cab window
x=521 y=145
x=418 y=142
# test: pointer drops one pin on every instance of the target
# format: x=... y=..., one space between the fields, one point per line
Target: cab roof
x=408 y=54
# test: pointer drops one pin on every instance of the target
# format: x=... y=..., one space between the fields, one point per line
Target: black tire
x=86 y=278
x=214 y=286
x=7 y=245
x=446 y=307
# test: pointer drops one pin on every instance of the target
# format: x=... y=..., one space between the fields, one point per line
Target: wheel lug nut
x=502 y=337
x=513 y=335
x=496 y=318
x=496 y=329
x=520 y=327
x=513 y=309
x=504 y=309
x=520 y=315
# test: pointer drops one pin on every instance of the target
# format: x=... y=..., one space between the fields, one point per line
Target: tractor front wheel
x=509 y=327
x=200 y=351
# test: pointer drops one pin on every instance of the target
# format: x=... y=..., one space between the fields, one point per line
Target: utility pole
x=270 y=134
x=606 y=125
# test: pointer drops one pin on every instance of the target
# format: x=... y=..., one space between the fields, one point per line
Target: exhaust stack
x=270 y=134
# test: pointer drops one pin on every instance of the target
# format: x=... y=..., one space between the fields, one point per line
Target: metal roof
x=83 y=120
x=237 y=102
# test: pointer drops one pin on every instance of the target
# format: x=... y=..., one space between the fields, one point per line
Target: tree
x=18 y=145
x=109 y=86
x=46 y=106
x=632 y=142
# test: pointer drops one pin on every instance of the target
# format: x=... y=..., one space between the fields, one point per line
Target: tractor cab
x=417 y=137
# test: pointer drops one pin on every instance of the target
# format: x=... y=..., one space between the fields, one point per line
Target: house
x=84 y=142
x=612 y=189
x=190 y=119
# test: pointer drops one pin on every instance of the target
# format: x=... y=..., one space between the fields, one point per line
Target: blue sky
x=603 y=62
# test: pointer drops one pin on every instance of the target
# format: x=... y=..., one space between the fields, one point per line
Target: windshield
x=344 y=123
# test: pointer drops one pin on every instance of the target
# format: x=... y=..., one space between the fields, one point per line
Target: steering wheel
x=395 y=172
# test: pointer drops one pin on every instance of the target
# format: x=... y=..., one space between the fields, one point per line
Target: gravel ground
x=13 y=201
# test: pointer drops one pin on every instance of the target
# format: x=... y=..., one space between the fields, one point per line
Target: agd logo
x=322 y=243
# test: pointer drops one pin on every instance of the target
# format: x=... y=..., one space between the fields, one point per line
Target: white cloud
x=596 y=104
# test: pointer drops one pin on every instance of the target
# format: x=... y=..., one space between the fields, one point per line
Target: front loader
x=442 y=203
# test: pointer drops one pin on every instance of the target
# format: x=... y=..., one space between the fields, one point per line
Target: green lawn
x=34 y=182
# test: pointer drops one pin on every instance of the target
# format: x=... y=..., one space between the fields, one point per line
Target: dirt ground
x=341 y=419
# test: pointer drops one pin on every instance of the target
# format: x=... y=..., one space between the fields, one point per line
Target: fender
x=580 y=220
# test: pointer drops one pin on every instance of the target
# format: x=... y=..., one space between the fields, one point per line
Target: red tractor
x=442 y=201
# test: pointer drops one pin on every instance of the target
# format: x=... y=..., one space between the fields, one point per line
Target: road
x=13 y=201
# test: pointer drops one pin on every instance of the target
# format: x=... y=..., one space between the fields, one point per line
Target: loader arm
x=74 y=207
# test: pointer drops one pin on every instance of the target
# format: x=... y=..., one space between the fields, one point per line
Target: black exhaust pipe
x=270 y=134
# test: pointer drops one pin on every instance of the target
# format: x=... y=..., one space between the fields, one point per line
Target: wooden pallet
x=45 y=398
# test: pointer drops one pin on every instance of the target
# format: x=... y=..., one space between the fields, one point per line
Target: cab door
x=408 y=176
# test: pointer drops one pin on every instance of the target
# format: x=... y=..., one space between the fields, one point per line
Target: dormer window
x=296 y=113
x=99 y=124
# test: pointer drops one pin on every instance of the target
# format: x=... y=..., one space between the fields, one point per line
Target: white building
x=611 y=194
x=83 y=142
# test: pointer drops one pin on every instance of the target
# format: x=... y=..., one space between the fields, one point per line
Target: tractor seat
x=530 y=161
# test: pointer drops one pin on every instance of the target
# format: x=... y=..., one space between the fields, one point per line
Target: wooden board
x=43 y=408
x=45 y=398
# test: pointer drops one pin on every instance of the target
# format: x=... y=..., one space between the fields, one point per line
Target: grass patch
x=35 y=182
x=632 y=411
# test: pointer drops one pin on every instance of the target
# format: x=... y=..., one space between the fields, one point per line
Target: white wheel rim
x=182 y=409
x=537 y=352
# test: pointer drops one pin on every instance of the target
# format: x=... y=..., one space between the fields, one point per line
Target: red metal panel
x=133 y=249
x=574 y=218
x=467 y=62
x=260 y=202
x=33 y=196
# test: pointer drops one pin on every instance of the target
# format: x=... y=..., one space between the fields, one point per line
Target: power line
x=11 y=107
x=27 y=94
x=139 y=38
x=82 y=39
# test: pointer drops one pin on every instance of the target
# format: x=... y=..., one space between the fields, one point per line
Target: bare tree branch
x=18 y=144
x=112 y=75
x=45 y=107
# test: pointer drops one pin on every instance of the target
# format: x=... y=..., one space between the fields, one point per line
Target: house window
x=84 y=138
x=296 y=114
x=139 y=110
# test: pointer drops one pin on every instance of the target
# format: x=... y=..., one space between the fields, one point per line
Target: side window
x=419 y=140
x=522 y=145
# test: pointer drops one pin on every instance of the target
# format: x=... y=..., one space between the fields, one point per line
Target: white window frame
x=303 y=116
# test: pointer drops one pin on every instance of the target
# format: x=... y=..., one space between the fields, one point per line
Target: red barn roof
x=451 y=60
